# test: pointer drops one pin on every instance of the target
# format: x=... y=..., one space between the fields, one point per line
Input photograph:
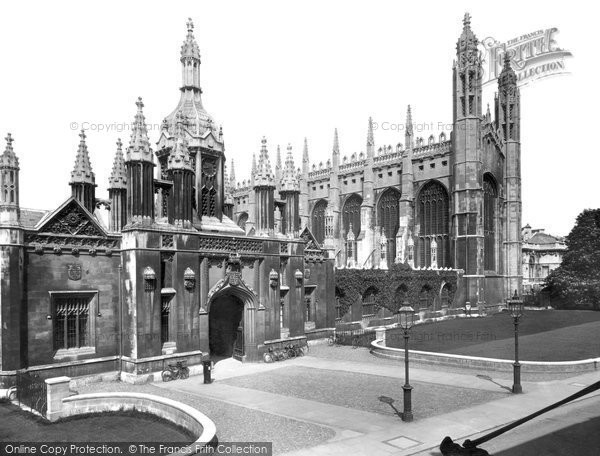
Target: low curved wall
x=173 y=411
x=446 y=359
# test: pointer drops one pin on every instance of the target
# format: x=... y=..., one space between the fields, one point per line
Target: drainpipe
x=120 y=320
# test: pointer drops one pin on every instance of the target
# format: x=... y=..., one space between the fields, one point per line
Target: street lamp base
x=407 y=416
x=517 y=389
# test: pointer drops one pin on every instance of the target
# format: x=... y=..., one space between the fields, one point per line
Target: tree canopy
x=576 y=282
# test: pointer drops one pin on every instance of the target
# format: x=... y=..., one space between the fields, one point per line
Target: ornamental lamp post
x=407 y=319
x=515 y=306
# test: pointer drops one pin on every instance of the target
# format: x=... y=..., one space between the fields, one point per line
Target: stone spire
x=409 y=134
x=305 y=152
x=82 y=171
x=278 y=168
x=336 y=143
x=263 y=175
x=9 y=158
x=190 y=48
x=118 y=176
x=467 y=40
x=232 y=175
x=370 y=138
x=289 y=181
x=179 y=158
x=508 y=75
x=139 y=144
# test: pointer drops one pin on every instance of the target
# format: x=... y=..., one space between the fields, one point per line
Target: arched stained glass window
x=433 y=217
x=351 y=214
x=388 y=218
x=318 y=221
x=490 y=200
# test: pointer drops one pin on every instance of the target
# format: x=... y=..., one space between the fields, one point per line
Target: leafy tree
x=576 y=282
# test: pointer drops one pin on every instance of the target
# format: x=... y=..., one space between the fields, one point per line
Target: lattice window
x=164 y=319
x=388 y=219
x=71 y=322
x=445 y=296
x=490 y=200
x=318 y=221
x=351 y=214
x=309 y=313
x=368 y=303
x=433 y=209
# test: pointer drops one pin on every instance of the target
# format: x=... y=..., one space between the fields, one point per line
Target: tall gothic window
x=164 y=319
x=433 y=218
x=209 y=187
x=490 y=200
x=318 y=221
x=388 y=218
x=351 y=214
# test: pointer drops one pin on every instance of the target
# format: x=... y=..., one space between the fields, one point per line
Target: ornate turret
x=508 y=121
x=303 y=203
x=140 y=172
x=467 y=74
x=190 y=103
x=228 y=203
x=117 y=190
x=290 y=191
x=83 y=180
x=335 y=155
x=181 y=172
x=10 y=213
x=264 y=174
x=409 y=136
x=264 y=189
x=278 y=168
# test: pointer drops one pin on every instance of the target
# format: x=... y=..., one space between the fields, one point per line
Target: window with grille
x=164 y=319
x=445 y=296
x=209 y=183
x=433 y=217
x=401 y=295
x=318 y=221
x=368 y=304
x=309 y=314
x=351 y=214
x=72 y=327
x=490 y=198
x=426 y=297
x=388 y=219
x=338 y=309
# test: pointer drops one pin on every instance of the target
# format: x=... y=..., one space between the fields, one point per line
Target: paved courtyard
x=328 y=403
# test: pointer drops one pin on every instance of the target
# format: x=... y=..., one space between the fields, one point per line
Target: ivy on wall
x=393 y=286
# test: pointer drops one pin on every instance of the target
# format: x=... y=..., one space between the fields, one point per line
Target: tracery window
x=209 y=187
x=351 y=214
x=242 y=219
x=490 y=200
x=318 y=221
x=388 y=219
x=368 y=303
x=433 y=218
x=71 y=321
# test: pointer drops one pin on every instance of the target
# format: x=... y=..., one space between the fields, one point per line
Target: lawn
x=19 y=426
x=362 y=391
x=552 y=335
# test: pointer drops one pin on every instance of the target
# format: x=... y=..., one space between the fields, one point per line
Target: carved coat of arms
x=74 y=271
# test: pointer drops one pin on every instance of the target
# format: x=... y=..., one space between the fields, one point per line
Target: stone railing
x=384 y=158
x=431 y=149
x=352 y=166
x=319 y=173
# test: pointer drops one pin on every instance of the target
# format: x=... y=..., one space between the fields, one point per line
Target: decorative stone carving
x=189 y=279
x=166 y=241
x=74 y=271
x=273 y=278
x=149 y=278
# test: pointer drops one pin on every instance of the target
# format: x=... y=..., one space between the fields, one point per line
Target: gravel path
x=235 y=424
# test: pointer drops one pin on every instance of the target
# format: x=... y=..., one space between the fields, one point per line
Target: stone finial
x=336 y=142
x=118 y=176
x=264 y=174
x=289 y=181
x=190 y=48
x=467 y=40
x=232 y=175
x=305 y=151
x=278 y=160
x=370 y=137
x=9 y=159
x=508 y=75
x=409 y=122
x=253 y=168
x=82 y=171
x=139 y=144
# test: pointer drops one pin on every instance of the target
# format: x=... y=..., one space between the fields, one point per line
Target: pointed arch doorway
x=226 y=327
x=231 y=319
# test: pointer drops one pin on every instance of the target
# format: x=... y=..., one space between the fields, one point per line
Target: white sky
x=287 y=70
